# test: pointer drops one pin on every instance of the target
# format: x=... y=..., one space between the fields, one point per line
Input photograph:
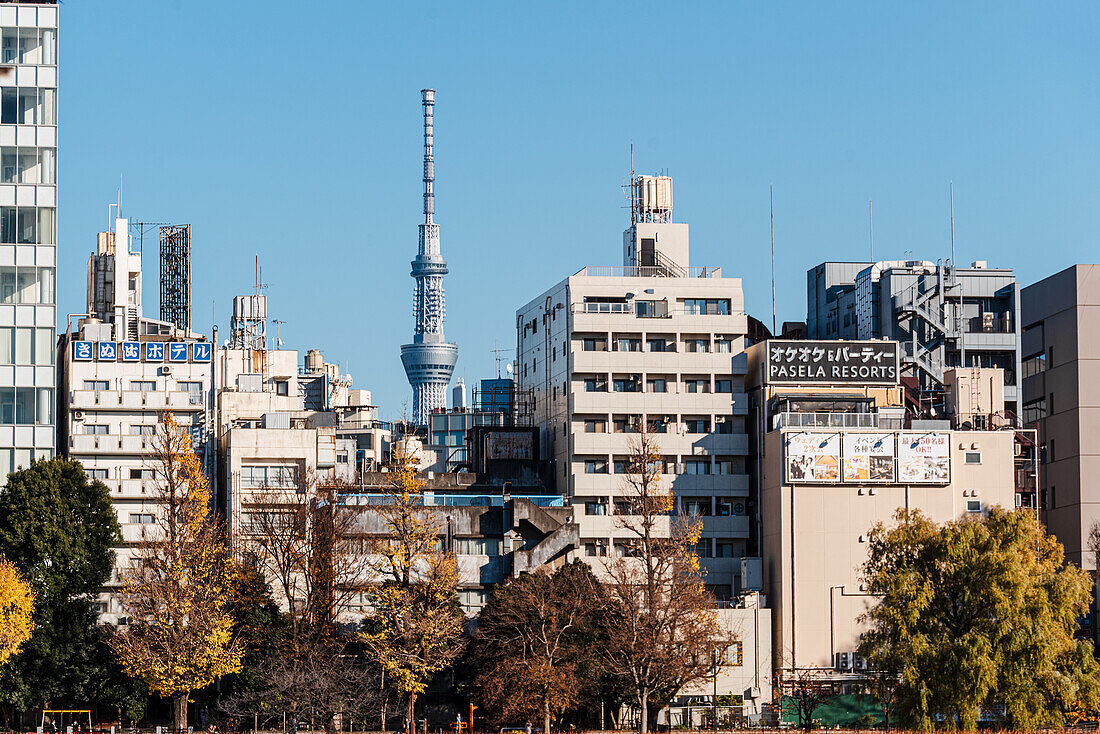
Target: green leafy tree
x=979 y=613
x=57 y=528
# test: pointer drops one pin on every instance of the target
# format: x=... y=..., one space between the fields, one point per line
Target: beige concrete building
x=1062 y=399
x=654 y=343
x=117 y=372
x=834 y=457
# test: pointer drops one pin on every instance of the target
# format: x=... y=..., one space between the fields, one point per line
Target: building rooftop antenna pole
x=871 y=229
x=771 y=210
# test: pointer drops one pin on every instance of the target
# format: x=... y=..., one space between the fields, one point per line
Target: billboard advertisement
x=868 y=457
x=511 y=445
x=832 y=362
x=813 y=457
x=924 y=458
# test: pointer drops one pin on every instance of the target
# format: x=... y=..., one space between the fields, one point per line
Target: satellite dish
x=225 y=343
x=510 y=368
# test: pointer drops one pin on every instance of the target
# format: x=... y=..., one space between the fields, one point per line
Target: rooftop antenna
x=871 y=229
x=278 y=341
x=771 y=208
x=951 y=198
x=633 y=193
x=499 y=357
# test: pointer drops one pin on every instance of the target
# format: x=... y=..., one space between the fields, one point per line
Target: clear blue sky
x=292 y=130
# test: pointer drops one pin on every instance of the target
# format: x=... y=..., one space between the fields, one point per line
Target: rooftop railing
x=835 y=420
x=455 y=500
x=638 y=271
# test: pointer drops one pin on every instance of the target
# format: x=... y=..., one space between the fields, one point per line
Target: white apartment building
x=655 y=343
x=28 y=232
x=118 y=371
x=276 y=426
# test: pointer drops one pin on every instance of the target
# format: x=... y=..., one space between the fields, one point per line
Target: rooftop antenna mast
x=771 y=209
x=871 y=229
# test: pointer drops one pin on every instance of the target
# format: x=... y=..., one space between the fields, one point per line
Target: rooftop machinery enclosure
x=175 y=275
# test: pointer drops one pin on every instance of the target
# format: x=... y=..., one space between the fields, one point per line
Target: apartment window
x=973 y=457
x=625 y=384
x=726 y=465
x=477 y=547
x=1035 y=410
x=141 y=429
x=723 y=506
x=143 y=386
x=697 y=466
x=724 y=385
x=27 y=165
x=28 y=106
x=696 y=345
x=626 y=424
x=26 y=285
x=595 y=425
x=472 y=600
x=725 y=549
x=1050 y=451
x=621 y=466
x=141 y=474
x=597 y=383
x=596 y=547
x=595 y=344
x=660 y=344
x=656 y=384
x=1035 y=364
x=282 y=387
x=267 y=476
x=702 y=548
x=95 y=429
x=651 y=309
x=624 y=507
x=97 y=473
x=657 y=425
x=1053 y=498
x=628 y=344
x=1050 y=403
x=697 y=425
x=142 y=518
x=595 y=466
x=97 y=385
x=696 y=385
x=723 y=346
x=709 y=306
x=723 y=424
x=35 y=46
x=193 y=390
x=596 y=506
x=17 y=406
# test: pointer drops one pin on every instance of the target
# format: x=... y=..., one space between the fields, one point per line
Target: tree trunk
x=643 y=721
x=546 y=716
x=410 y=715
x=179 y=712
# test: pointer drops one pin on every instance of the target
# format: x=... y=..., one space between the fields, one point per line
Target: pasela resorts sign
x=825 y=362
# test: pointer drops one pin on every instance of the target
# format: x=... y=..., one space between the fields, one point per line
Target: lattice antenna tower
x=175 y=275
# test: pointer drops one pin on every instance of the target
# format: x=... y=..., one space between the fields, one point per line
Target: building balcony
x=658 y=403
x=659 y=363
x=133 y=400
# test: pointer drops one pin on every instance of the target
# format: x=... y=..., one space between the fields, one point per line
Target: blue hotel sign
x=85 y=351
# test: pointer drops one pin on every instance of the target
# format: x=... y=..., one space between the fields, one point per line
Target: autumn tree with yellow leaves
x=178 y=592
x=16 y=610
x=415 y=629
x=661 y=624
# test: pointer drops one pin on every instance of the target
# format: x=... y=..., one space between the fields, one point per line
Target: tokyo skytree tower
x=429 y=361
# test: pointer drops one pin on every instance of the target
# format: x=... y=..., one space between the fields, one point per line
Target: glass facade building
x=28 y=231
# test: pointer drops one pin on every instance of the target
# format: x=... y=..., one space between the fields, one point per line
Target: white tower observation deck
x=429 y=361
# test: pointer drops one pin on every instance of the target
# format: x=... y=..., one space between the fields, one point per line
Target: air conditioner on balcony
x=843 y=661
x=166 y=370
x=78 y=415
